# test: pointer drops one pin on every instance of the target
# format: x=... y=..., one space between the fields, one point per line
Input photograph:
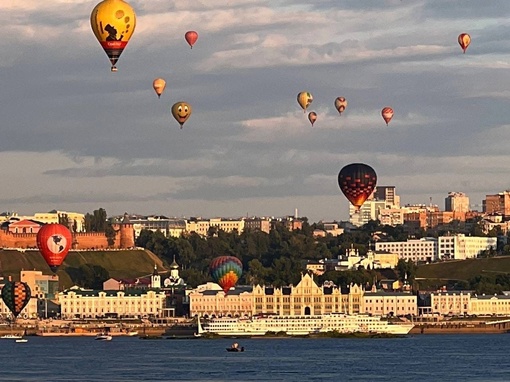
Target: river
x=468 y=357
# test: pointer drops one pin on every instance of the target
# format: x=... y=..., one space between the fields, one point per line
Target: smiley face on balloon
x=181 y=112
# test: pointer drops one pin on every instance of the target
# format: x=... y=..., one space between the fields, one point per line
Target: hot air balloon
x=159 y=86
x=387 y=114
x=225 y=271
x=304 y=100
x=357 y=181
x=113 y=22
x=340 y=104
x=464 y=40
x=16 y=296
x=191 y=38
x=54 y=242
x=181 y=112
x=312 y=117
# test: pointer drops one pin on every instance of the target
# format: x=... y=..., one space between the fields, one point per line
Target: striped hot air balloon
x=387 y=114
x=225 y=271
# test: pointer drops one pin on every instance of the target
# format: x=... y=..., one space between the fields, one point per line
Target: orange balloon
x=159 y=86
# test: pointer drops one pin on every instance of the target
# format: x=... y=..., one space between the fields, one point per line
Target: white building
x=424 y=249
x=86 y=303
x=368 y=211
x=461 y=247
x=389 y=303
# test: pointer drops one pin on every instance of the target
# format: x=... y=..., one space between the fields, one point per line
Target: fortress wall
x=86 y=240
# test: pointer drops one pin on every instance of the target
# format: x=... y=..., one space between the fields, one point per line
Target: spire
x=155 y=273
x=174 y=264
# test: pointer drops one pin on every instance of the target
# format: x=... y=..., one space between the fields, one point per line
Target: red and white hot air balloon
x=54 y=242
x=387 y=114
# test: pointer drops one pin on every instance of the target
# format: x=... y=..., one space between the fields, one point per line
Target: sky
x=76 y=137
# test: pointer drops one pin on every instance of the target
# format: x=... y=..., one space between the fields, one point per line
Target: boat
x=236 y=350
x=103 y=337
x=264 y=324
x=21 y=340
x=11 y=337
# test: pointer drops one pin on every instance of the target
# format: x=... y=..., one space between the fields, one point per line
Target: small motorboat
x=21 y=340
x=238 y=350
x=103 y=337
x=235 y=348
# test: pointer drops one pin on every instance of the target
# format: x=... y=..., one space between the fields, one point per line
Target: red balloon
x=191 y=37
x=54 y=242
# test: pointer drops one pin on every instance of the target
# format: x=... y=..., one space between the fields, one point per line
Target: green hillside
x=120 y=264
x=464 y=269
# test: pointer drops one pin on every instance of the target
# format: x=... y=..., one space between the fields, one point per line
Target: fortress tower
x=125 y=232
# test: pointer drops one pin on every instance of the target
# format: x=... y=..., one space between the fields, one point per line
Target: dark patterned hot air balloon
x=54 y=242
x=16 y=296
x=464 y=40
x=357 y=181
x=225 y=271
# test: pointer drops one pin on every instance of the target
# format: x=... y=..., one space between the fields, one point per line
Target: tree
x=110 y=235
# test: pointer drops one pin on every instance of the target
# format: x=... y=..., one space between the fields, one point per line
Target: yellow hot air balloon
x=159 y=86
x=181 y=112
x=304 y=100
x=113 y=22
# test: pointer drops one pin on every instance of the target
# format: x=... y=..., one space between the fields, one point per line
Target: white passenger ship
x=301 y=325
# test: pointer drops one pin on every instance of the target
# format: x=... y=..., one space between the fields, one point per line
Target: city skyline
x=78 y=137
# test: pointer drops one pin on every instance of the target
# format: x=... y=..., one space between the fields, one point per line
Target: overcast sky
x=76 y=137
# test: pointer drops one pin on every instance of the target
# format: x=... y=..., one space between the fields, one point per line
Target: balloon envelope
x=304 y=100
x=464 y=40
x=387 y=114
x=191 y=38
x=16 y=296
x=312 y=117
x=159 y=85
x=225 y=271
x=357 y=182
x=54 y=242
x=113 y=22
x=181 y=112
x=340 y=104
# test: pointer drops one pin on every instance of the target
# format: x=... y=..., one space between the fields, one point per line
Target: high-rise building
x=387 y=194
x=499 y=203
x=456 y=202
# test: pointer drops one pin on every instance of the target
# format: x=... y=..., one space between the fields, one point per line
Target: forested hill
x=115 y=263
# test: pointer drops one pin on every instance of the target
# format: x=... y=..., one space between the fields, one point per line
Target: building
x=461 y=247
x=257 y=224
x=450 y=302
x=498 y=203
x=209 y=300
x=425 y=249
x=387 y=194
x=367 y=212
x=390 y=304
x=391 y=216
x=456 y=202
x=133 y=303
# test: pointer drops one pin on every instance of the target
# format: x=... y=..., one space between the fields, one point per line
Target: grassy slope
x=120 y=264
x=464 y=269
